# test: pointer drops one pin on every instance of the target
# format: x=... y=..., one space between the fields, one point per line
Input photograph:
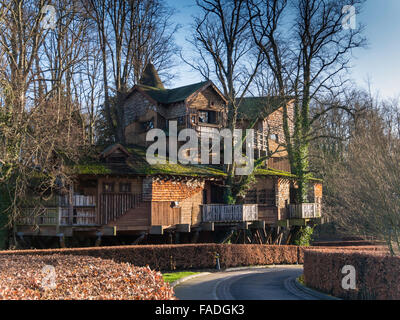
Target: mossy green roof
x=136 y=164
x=251 y=108
x=167 y=96
x=274 y=172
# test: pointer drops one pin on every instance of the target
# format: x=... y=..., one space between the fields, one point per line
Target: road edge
x=313 y=292
x=179 y=281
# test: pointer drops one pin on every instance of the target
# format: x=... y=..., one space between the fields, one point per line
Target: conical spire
x=150 y=77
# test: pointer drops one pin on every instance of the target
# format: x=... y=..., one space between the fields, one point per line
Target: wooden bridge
x=229 y=213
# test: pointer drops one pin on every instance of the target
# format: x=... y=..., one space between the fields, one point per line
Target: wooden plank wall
x=268 y=214
x=163 y=215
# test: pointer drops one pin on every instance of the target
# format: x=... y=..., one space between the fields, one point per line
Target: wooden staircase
x=125 y=211
x=137 y=218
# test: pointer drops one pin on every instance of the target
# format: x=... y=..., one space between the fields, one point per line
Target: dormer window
x=108 y=187
x=203 y=116
x=206 y=116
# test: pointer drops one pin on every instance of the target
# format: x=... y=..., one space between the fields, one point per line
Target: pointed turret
x=150 y=77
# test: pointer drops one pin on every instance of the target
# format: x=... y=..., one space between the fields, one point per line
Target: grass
x=173 y=276
x=301 y=279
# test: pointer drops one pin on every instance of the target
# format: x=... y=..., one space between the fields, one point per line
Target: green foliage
x=304 y=236
x=174 y=276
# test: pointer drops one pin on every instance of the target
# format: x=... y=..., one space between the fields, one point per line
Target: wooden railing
x=304 y=211
x=82 y=211
x=229 y=213
x=260 y=140
x=78 y=201
x=114 y=205
x=42 y=216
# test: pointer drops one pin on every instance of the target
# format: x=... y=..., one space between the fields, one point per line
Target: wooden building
x=117 y=192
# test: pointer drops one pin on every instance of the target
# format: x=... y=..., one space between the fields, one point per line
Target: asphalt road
x=272 y=283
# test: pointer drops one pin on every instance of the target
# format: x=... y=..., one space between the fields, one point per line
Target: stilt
x=195 y=236
x=98 y=240
x=61 y=240
x=177 y=237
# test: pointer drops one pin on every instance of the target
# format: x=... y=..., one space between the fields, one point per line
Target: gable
x=208 y=97
x=116 y=151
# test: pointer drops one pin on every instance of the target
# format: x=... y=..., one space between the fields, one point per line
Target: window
x=203 y=116
x=108 y=187
x=147 y=125
x=125 y=187
x=274 y=137
x=207 y=116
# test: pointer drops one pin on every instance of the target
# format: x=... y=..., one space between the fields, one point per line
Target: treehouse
x=117 y=192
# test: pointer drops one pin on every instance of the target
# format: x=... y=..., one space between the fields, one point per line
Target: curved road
x=272 y=283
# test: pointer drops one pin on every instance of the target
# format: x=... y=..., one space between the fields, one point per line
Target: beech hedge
x=376 y=273
x=184 y=256
x=189 y=256
x=67 y=277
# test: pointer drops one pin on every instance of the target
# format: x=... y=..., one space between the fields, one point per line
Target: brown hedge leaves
x=185 y=256
x=377 y=273
x=78 y=278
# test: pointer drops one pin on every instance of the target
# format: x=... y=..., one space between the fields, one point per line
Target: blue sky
x=380 y=62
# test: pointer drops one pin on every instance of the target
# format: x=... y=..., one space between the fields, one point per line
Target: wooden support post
x=61 y=240
x=98 y=240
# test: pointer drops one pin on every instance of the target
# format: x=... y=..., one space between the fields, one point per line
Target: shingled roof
x=167 y=96
x=251 y=108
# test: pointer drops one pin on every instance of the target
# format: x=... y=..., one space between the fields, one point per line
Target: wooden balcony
x=59 y=212
x=304 y=211
x=229 y=213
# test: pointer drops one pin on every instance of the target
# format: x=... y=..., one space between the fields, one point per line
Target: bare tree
x=40 y=129
x=307 y=60
x=223 y=43
x=130 y=34
x=364 y=183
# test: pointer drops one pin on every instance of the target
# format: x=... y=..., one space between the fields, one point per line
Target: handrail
x=229 y=213
x=114 y=205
